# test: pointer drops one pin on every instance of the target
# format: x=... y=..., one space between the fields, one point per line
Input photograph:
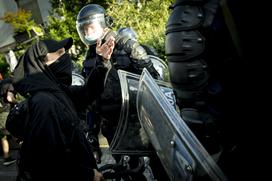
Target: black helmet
x=92 y=14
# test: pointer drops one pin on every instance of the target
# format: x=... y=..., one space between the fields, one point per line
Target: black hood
x=32 y=74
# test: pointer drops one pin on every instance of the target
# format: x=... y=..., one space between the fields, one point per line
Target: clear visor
x=91 y=27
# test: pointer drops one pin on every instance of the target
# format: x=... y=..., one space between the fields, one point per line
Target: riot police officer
x=94 y=27
x=205 y=60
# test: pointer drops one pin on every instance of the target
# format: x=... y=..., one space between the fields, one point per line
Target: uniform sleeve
x=95 y=81
x=83 y=96
x=138 y=55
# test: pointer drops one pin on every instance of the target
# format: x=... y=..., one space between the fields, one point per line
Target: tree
x=4 y=66
x=21 y=21
x=148 y=21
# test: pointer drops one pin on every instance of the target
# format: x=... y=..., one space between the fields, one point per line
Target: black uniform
x=205 y=61
x=128 y=55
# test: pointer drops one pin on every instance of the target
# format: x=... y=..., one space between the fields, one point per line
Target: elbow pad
x=132 y=47
x=138 y=52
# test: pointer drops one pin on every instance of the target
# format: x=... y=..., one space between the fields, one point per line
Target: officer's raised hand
x=105 y=50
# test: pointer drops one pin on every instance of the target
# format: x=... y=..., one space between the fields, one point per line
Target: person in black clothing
x=94 y=24
x=208 y=59
x=54 y=145
x=7 y=100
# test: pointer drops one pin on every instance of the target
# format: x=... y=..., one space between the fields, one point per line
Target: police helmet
x=92 y=14
x=127 y=31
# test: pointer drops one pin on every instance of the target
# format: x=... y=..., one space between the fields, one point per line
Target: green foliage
x=75 y=6
x=149 y=21
x=64 y=26
x=4 y=66
x=21 y=21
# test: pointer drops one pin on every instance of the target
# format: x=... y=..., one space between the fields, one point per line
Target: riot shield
x=128 y=139
x=77 y=79
x=161 y=67
x=182 y=155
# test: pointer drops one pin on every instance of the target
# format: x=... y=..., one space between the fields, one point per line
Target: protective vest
x=185 y=46
x=202 y=57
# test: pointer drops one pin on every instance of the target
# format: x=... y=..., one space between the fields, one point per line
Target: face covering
x=62 y=69
x=94 y=36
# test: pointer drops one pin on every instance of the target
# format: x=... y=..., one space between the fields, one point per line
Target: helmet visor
x=91 y=29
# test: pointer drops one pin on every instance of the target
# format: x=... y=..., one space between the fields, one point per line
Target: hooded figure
x=54 y=145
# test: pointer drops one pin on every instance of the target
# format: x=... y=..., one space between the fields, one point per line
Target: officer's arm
x=83 y=96
x=138 y=55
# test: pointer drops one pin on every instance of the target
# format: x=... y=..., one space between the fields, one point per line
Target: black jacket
x=54 y=145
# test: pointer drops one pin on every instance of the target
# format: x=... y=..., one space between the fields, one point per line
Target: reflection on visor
x=93 y=23
x=91 y=19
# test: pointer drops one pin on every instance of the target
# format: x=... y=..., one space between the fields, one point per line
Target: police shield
x=182 y=155
x=161 y=67
x=128 y=138
x=77 y=79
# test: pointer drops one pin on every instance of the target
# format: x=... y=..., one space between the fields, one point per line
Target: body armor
x=185 y=47
x=128 y=55
x=189 y=51
x=203 y=64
